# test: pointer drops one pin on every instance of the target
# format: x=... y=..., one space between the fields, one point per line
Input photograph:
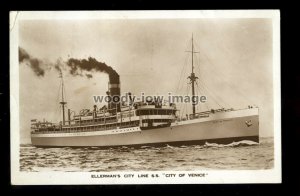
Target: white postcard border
x=208 y=176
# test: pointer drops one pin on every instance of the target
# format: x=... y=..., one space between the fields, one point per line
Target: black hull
x=175 y=144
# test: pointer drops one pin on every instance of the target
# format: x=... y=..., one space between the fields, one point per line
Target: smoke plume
x=34 y=63
x=91 y=64
x=89 y=76
x=75 y=66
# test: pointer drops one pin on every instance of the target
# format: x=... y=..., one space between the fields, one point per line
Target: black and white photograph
x=145 y=97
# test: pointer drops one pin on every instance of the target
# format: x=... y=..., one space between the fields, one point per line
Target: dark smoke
x=57 y=67
x=34 y=63
x=91 y=64
x=23 y=55
x=89 y=76
x=75 y=66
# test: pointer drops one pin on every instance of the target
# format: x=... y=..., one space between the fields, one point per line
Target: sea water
x=243 y=155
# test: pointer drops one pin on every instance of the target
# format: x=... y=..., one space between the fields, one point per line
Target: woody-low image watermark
x=150 y=99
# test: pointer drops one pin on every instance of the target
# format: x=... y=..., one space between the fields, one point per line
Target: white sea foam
x=233 y=144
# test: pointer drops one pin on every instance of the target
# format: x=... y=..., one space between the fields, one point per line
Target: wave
x=183 y=146
x=144 y=147
x=233 y=144
x=168 y=146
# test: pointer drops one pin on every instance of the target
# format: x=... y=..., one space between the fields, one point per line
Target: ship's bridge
x=151 y=116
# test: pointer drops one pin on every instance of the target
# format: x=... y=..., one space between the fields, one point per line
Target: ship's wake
x=168 y=146
x=243 y=143
x=233 y=144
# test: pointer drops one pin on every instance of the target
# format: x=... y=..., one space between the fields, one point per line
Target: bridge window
x=155 y=112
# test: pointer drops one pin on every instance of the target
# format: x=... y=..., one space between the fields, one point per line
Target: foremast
x=62 y=102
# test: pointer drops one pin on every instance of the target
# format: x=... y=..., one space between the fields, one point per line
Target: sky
x=234 y=63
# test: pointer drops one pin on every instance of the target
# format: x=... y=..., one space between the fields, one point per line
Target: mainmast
x=193 y=77
x=63 y=103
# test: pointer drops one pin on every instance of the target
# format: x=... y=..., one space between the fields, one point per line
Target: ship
x=140 y=124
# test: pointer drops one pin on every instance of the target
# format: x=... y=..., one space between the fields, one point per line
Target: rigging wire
x=200 y=93
x=210 y=96
x=201 y=86
x=217 y=98
x=197 y=70
x=183 y=106
x=225 y=79
x=184 y=69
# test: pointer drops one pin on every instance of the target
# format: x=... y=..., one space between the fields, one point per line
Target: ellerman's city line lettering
x=166 y=175
x=106 y=176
